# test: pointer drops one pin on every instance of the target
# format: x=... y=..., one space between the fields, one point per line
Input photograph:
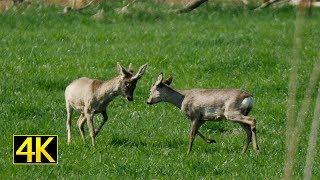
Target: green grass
x=42 y=51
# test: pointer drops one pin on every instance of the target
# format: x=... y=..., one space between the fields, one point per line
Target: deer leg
x=254 y=137
x=105 y=118
x=249 y=136
x=89 y=117
x=194 y=129
x=247 y=121
x=209 y=141
x=239 y=118
x=69 y=115
x=81 y=121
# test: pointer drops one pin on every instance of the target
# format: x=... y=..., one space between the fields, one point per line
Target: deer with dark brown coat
x=92 y=96
x=202 y=105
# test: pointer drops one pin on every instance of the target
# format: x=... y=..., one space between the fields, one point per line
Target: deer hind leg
x=254 y=142
x=81 y=121
x=209 y=141
x=105 y=119
x=69 y=116
x=239 y=118
x=247 y=128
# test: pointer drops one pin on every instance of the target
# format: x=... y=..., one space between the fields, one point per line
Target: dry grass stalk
x=292 y=93
x=295 y=127
x=313 y=139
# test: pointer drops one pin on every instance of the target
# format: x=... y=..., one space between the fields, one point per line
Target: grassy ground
x=213 y=47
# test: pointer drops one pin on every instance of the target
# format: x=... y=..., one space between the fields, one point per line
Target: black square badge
x=35 y=149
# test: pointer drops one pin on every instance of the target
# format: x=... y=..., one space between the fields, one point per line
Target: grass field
x=42 y=51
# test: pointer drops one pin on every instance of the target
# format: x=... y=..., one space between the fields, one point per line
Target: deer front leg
x=194 y=129
x=81 y=121
x=105 y=118
x=89 y=117
x=69 y=116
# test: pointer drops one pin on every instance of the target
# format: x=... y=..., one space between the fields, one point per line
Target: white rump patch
x=247 y=102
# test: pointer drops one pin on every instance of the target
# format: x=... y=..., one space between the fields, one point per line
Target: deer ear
x=141 y=71
x=160 y=78
x=130 y=69
x=122 y=71
x=168 y=81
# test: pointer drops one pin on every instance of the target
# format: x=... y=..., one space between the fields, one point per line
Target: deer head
x=159 y=90
x=128 y=80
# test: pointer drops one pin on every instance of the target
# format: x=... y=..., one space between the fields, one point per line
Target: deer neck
x=174 y=97
x=111 y=88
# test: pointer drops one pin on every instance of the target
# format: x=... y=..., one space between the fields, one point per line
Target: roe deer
x=92 y=96
x=202 y=105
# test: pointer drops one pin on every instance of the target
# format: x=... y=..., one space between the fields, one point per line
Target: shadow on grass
x=127 y=142
x=172 y=144
x=215 y=130
x=139 y=143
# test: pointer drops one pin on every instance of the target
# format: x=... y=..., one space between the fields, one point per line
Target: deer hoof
x=211 y=141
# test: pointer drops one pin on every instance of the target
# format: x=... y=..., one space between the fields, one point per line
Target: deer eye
x=127 y=85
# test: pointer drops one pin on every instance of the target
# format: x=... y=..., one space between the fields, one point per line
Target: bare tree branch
x=85 y=6
x=305 y=3
x=191 y=6
x=73 y=8
x=266 y=4
x=244 y=2
x=124 y=9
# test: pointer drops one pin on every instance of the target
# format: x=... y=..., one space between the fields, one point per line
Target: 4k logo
x=34 y=149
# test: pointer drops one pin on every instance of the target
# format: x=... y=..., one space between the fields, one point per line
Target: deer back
x=214 y=104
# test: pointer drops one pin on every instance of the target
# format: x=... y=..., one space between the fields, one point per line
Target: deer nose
x=148 y=102
x=130 y=98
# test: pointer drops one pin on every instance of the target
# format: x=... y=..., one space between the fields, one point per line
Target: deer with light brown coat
x=202 y=105
x=92 y=96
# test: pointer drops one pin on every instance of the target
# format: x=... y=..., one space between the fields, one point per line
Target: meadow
x=42 y=51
